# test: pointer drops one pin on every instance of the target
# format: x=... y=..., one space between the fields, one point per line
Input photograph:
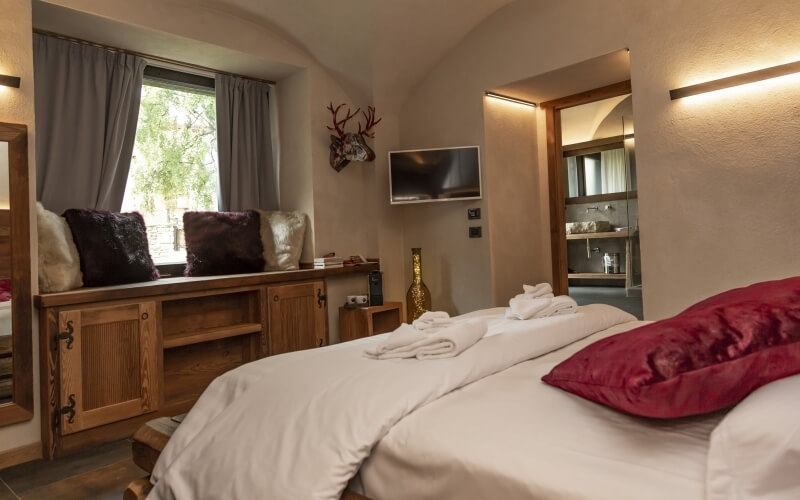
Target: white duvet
x=299 y=425
x=513 y=437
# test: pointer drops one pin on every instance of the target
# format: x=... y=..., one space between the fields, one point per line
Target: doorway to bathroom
x=593 y=197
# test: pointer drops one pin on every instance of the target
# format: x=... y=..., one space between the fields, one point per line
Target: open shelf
x=208 y=334
x=597 y=276
x=598 y=236
x=189 y=369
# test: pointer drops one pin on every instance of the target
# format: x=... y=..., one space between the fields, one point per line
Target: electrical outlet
x=475 y=232
x=473 y=213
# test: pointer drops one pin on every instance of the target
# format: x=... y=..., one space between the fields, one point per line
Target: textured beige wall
x=16 y=106
x=718 y=174
x=511 y=168
x=295 y=175
x=710 y=170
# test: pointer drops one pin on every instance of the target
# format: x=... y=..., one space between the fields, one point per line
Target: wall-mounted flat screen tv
x=425 y=175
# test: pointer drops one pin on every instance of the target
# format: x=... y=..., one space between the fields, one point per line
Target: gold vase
x=418 y=298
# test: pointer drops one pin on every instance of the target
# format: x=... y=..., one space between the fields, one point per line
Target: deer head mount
x=349 y=146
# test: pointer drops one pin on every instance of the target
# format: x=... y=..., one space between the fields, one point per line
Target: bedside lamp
x=9 y=81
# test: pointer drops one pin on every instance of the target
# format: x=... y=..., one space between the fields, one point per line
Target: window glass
x=174 y=167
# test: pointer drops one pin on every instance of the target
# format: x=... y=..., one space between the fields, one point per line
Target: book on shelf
x=328 y=260
x=327 y=266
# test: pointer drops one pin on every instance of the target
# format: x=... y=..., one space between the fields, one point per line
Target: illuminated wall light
x=736 y=80
x=9 y=81
x=510 y=99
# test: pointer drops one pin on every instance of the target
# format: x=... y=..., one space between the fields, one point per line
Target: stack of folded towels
x=538 y=302
x=432 y=336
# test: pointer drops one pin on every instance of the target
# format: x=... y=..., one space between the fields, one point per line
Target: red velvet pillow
x=705 y=359
x=5 y=290
x=223 y=243
x=760 y=291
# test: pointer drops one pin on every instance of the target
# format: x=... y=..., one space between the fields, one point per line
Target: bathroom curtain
x=247 y=173
x=612 y=168
x=87 y=105
x=572 y=176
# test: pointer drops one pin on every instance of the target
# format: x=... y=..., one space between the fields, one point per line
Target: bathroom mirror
x=16 y=356
x=599 y=168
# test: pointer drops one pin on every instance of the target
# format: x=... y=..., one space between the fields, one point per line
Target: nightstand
x=361 y=322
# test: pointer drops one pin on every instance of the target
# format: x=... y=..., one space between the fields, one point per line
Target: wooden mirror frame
x=21 y=406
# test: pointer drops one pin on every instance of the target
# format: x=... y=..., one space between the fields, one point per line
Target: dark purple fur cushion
x=223 y=243
x=112 y=247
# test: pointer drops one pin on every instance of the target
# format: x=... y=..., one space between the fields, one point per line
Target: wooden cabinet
x=355 y=323
x=108 y=364
x=298 y=317
x=112 y=358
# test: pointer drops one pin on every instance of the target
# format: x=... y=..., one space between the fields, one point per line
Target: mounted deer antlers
x=348 y=146
x=338 y=125
x=369 y=116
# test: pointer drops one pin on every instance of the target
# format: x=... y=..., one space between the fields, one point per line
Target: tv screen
x=425 y=175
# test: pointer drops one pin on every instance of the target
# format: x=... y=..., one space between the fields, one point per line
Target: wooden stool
x=148 y=443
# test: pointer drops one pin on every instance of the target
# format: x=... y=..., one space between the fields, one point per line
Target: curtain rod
x=151 y=57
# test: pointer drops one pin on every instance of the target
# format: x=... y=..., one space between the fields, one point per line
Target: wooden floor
x=103 y=472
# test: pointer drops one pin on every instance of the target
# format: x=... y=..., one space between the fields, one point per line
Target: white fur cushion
x=282 y=235
x=59 y=264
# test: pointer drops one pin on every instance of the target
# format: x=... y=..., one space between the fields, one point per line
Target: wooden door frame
x=555 y=174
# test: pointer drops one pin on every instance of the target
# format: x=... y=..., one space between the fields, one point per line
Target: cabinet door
x=298 y=317
x=107 y=364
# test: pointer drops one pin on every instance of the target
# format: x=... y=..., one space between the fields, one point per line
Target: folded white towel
x=445 y=343
x=433 y=315
x=427 y=325
x=526 y=296
x=537 y=291
x=403 y=336
x=523 y=307
x=558 y=306
x=432 y=319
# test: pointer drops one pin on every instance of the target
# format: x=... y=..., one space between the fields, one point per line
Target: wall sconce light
x=736 y=80
x=9 y=81
x=511 y=99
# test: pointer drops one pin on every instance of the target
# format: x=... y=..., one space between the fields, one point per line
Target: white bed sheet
x=299 y=425
x=512 y=436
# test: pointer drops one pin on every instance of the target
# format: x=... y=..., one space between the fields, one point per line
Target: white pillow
x=282 y=234
x=755 y=450
x=59 y=264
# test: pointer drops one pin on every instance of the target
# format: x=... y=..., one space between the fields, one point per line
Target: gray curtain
x=246 y=169
x=87 y=106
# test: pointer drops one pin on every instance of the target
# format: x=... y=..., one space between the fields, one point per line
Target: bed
x=315 y=423
x=547 y=444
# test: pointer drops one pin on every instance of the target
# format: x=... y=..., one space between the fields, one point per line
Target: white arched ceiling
x=376 y=47
x=580 y=123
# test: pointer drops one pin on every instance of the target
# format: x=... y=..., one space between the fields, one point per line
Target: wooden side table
x=361 y=322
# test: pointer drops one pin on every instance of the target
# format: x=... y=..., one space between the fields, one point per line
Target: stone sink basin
x=600 y=226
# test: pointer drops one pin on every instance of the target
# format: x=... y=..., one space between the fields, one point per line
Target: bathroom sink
x=599 y=226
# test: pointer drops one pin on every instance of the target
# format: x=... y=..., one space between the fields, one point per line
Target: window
x=174 y=167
